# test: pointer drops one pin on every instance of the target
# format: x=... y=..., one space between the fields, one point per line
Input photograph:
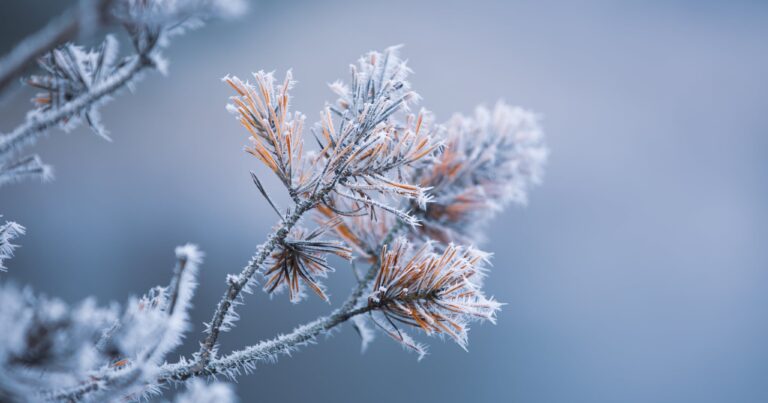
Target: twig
x=236 y=286
x=266 y=350
x=245 y=358
x=263 y=351
x=61 y=29
x=28 y=131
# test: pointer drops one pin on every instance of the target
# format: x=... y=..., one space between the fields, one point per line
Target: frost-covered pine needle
x=404 y=195
x=489 y=160
x=437 y=293
x=8 y=232
x=76 y=82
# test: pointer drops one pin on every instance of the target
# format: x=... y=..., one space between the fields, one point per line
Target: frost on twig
x=300 y=260
x=276 y=133
x=377 y=168
x=362 y=157
x=437 y=293
x=49 y=344
x=75 y=82
x=384 y=184
x=86 y=352
x=363 y=154
x=489 y=160
x=71 y=72
x=8 y=232
x=161 y=315
x=30 y=167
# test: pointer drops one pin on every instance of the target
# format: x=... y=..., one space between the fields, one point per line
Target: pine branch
x=39 y=124
x=268 y=349
x=246 y=358
x=84 y=17
x=25 y=168
x=238 y=284
x=77 y=81
x=367 y=160
x=263 y=110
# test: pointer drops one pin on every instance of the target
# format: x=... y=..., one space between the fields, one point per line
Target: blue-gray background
x=636 y=274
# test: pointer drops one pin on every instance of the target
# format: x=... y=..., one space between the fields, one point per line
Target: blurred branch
x=27 y=131
x=27 y=167
x=84 y=17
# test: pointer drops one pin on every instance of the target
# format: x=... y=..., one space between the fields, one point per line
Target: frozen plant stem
x=75 y=82
x=28 y=131
x=235 y=288
x=264 y=350
x=85 y=16
x=249 y=356
x=380 y=170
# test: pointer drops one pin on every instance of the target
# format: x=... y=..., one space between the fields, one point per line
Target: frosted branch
x=8 y=232
x=78 y=81
x=376 y=171
x=38 y=124
x=30 y=167
x=83 y=18
x=266 y=351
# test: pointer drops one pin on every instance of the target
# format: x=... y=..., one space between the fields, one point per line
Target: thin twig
x=263 y=351
x=274 y=239
x=28 y=131
x=85 y=16
x=236 y=287
x=266 y=350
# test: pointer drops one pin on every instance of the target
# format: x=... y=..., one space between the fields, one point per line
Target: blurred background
x=636 y=273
